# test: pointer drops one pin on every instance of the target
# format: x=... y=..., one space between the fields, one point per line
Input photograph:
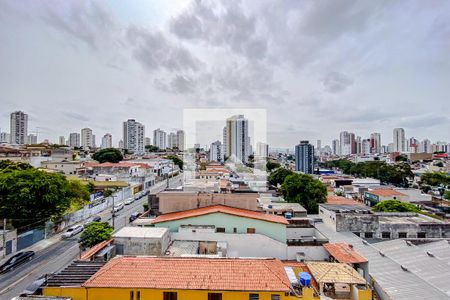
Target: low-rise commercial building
x=141 y=241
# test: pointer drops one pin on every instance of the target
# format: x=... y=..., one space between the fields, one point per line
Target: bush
x=395 y=206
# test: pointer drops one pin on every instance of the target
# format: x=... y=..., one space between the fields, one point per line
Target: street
x=57 y=256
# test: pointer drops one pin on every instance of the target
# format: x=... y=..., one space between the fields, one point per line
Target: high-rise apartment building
x=87 y=140
x=147 y=141
x=180 y=140
x=425 y=146
x=172 y=141
x=32 y=139
x=5 y=137
x=399 y=140
x=160 y=139
x=335 y=147
x=237 y=138
x=133 y=136
x=358 y=145
x=61 y=140
x=347 y=143
x=304 y=157
x=18 y=128
x=74 y=140
x=262 y=149
x=106 y=141
x=375 y=142
x=365 y=146
x=216 y=152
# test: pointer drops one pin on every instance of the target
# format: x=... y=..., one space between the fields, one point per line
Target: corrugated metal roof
x=394 y=281
x=418 y=261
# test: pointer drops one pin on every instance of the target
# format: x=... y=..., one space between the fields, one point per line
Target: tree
x=78 y=192
x=395 y=206
x=9 y=166
x=447 y=195
x=277 y=176
x=111 y=155
x=94 y=233
x=151 y=148
x=272 y=165
x=304 y=189
x=176 y=160
x=435 y=179
x=401 y=157
x=30 y=196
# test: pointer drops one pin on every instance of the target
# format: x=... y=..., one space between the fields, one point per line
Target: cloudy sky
x=318 y=67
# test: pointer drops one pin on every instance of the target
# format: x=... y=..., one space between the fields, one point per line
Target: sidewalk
x=45 y=243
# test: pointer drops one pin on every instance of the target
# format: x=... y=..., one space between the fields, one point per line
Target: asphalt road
x=59 y=255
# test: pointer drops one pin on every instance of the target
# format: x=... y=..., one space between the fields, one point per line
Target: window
x=251 y=230
x=170 y=295
x=253 y=297
x=220 y=229
x=385 y=235
x=138 y=295
x=131 y=295
x=421 y=235
x=368 y=235
x=214 y=296
x=402 y=235
x=356 y=233
x=234 y=230
x=274 y=297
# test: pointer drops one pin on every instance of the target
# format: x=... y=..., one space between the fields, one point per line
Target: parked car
x=96 y=219
x=134 y=216
x=72 y=231
x=16 y=260
x=118 y=206
x=129 y=201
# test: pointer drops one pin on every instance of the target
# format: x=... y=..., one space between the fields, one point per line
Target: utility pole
x=4 y=237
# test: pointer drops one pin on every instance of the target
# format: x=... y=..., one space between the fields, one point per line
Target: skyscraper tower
x=18 y=128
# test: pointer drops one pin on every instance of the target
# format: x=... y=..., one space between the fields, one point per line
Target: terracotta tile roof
x=220 y=209
x=220 y=274
x=86 y=255
x=385 y=192
x=338 y=200
x=344 y=253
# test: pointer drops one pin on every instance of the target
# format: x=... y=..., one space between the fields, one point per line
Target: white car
x=129 y=201
x=118 y=206
x=73 y=231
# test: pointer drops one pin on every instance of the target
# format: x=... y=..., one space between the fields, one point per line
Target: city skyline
x=306 y=83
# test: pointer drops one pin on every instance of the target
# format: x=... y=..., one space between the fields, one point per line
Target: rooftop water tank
x=288 y=215
x=269 y=206
x=304 y=278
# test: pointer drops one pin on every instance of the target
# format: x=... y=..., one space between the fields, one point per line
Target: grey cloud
x=424 y=121
x=335 y=82
x=226 y=25
x=76 y=116
x=155 y=52
x=87 y=21
x=178 y=85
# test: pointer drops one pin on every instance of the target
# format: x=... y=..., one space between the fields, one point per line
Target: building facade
x=74 y=140
x=133 y=136
x=237 y=138
x=304 y=157
x=87 y=140
x=399 y=140
x=216 y=152
x=18 y=128
x=160 y=139
x=107 y=141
